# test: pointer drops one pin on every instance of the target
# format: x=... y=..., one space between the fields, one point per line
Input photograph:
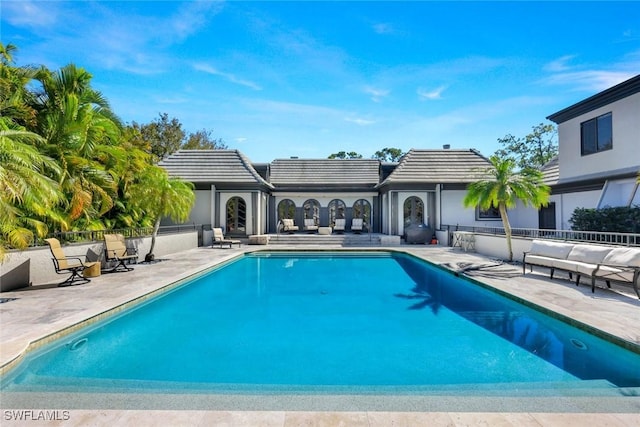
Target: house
x=597 y=165
x=598 y=155
x=425 y=187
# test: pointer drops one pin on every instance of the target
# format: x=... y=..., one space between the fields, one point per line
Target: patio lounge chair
x=68 y=264
x=310 y=225
x=220 y=240
x=357 y=225
x=288 y=226
x=338 y=225
x=115 y=250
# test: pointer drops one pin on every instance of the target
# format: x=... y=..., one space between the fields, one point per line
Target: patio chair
x=356 y=225
x=338 y=225
x=310 y=225
x=220 y=240
x=288 y=225
x=116 y=250
x=68 y=264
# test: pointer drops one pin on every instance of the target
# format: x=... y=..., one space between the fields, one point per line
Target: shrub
x=617 y=219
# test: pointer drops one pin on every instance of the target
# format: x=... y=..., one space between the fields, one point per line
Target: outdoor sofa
x=608 y=263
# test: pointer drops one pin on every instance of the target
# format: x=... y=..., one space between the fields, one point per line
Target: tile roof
x=308 y=172
x=551 y=171
x=440 y=166
x=212 y=166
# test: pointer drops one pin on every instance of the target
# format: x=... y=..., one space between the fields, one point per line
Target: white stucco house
x=598 y=158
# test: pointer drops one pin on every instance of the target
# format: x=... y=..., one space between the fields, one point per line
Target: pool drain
x=578 y=344
x=77 y=345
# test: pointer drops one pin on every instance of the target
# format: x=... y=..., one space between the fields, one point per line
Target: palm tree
x=504 y=187
x=161 y=196
x=80 y=132
x=27 y=195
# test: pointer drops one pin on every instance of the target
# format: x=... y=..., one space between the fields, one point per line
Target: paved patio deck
x=43 y=311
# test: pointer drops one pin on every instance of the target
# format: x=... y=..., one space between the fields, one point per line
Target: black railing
x=603 y=237
x=98 y=235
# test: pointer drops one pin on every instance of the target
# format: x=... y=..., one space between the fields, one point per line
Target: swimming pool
x=325 y=321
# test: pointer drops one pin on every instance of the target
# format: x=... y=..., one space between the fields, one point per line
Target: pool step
x=347 y=239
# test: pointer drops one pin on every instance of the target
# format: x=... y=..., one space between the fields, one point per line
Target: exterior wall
x=626 y=140
x=496 y=246
x=567 y=203
x=201 y=212
x=41 y=265
x=522 y=216
x=454 y=212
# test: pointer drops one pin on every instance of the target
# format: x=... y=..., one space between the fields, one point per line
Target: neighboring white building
x=598 y=154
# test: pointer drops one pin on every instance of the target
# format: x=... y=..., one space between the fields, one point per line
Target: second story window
x=596 y=135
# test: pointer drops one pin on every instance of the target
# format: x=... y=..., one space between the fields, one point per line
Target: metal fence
x=98 y=235
x=602 y=237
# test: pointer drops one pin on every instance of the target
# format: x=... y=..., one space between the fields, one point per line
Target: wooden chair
x=68 y=264
x=115 y=250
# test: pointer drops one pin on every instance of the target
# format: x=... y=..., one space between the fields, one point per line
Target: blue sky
x=307 y=79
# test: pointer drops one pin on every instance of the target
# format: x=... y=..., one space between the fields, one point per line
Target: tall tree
x=162 y=196
x=345 y=155
x=504 y=187
x=163 y=135
x=389 y=155
x=27 y=194
x=80 y=130
x=202 y=140
x=534 y=150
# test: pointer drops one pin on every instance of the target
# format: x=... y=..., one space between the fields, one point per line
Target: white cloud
x=559 y=64
x=29 y=13
x=590 y=80
x=206 y=68
x=359 y=121
x=376 y=94
x=383 y=28
x=434 y=94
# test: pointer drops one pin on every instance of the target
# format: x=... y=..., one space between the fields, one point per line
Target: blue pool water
x=361 y=320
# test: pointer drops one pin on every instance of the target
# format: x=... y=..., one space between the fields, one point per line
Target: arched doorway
x=413 y=211
x=362 y=209
x=311 y=210
x=236 y=216
x=286 y=209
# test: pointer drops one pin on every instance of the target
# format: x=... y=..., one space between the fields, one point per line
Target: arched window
x=311 y=210
x=362 y=209
x=286 y=209
x=337 y=210
x=413 y=211
x=236 y=216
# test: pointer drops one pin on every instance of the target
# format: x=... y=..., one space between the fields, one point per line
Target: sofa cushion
x=612 y=273
x=629 y=257
x=550 y=249
x=540 y=260
x=591 y=254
